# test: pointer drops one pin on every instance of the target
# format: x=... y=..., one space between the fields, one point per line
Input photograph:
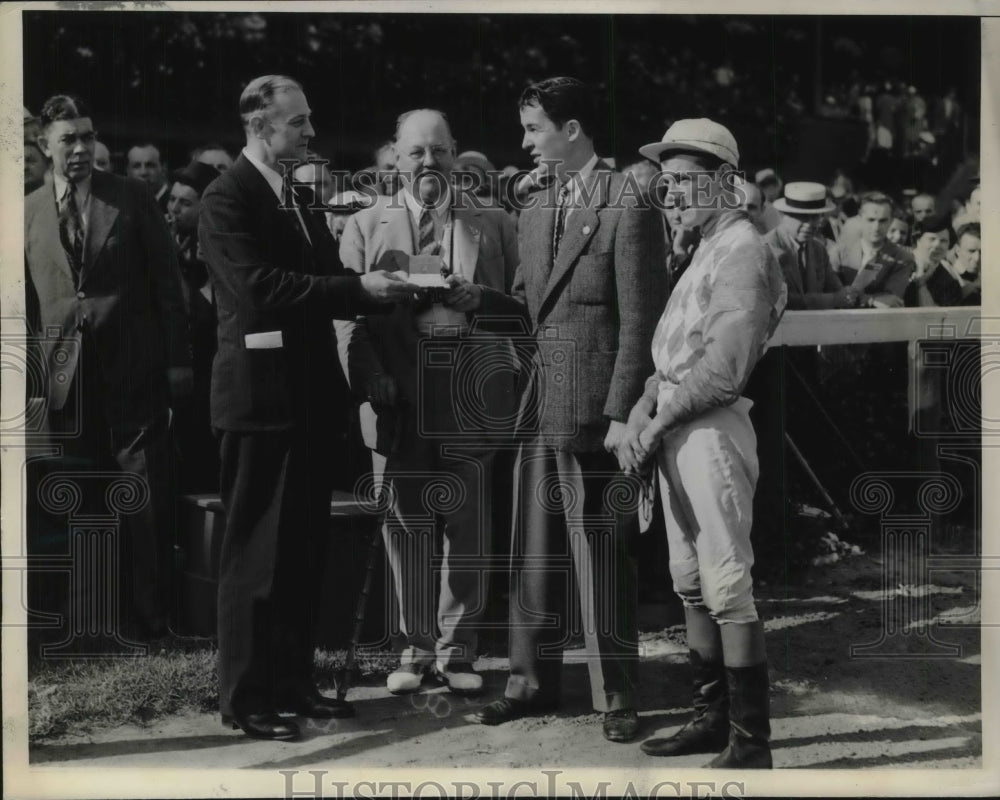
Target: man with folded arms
x=695 y=422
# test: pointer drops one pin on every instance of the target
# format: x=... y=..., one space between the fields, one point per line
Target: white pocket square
x=268 y=340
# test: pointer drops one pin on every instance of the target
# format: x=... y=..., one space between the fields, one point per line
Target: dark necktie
x=803 y=266
x=313 y=226
x=71 y=229
x=558 y=229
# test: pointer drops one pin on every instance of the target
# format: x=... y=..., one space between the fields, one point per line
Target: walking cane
x=841 y=519
x=343 y=676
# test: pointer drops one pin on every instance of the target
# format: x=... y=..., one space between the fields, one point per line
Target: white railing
x=860 y=326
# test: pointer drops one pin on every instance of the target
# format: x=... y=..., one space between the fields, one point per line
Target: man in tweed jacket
x=592 y=281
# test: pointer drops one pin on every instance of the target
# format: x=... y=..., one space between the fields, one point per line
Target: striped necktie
x=425 y=232
x=71 y=228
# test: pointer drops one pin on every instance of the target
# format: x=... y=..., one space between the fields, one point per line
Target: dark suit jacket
x=267 y=278
x=381 y=237
x=887 y=273
x=594 y=314
x=127 y=298
x=821 y=283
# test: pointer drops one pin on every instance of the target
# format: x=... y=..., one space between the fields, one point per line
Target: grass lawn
x=75 y=695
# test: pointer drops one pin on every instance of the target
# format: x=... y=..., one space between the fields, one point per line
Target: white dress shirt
x=438 y=314
x=82 y=190
x=277 y=186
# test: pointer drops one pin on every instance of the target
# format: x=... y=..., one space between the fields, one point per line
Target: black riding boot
x=708 y=729
x=749 y=720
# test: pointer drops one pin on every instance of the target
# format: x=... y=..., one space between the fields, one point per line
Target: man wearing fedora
x=694 y=419
x=802 y=256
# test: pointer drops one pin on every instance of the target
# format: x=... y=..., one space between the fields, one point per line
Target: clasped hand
x=633 y=442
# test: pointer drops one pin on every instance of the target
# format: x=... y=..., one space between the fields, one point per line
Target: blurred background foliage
x=175 y=76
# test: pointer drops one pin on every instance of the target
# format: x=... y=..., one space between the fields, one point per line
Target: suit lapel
x=103 y=213
x=394 y=228
x=466 y=256
x=580 y=227
x=51 y=244
x=286 y=222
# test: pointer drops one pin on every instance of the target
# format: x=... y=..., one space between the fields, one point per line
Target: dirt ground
x=912 y=701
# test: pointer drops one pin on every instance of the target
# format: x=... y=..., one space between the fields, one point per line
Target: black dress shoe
x=507 y=709
x=313 y=704
x=621 y=725
x=263 y=725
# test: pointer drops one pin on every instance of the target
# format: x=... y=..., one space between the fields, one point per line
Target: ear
x=43 y=144
x=573 y=129
x=257 y=125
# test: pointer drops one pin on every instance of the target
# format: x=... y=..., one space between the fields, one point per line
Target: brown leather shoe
x=621 y=725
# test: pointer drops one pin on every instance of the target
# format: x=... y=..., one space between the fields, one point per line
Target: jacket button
x=80 y=295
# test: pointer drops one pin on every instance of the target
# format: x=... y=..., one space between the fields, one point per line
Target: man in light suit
x=592 y=283
x=802 y=257
x=434 y=427
x=102 y=272
x=279 y=402
x=871 y=264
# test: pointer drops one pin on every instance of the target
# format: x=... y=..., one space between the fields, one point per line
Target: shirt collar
x=869 y=251
x=439 y=211
x=581 y=176
x=81 y=187
x=271 y=176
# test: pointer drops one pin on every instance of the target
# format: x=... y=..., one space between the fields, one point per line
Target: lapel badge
x=586 y=230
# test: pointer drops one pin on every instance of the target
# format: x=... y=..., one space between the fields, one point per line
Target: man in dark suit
x=443 y=432
x=199 y=454
x=280 y=403
x=802 y=257
x=592 y=282
x=102 y=273
x=144 y=163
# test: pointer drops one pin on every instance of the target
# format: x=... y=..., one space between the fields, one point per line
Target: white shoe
x=459 y=678
x=406 y=679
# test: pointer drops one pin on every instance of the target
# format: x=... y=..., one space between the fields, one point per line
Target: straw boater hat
x=804 y=197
